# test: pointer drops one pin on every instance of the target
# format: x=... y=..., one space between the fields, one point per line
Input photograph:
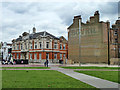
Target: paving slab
x=93 y=81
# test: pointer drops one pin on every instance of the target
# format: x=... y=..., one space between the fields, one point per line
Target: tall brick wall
x=93 y=45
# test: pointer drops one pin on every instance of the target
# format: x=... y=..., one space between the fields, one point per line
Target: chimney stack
x=34 y=30
x=96 y=15
x=76 y=19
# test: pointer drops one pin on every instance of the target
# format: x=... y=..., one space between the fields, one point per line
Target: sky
x=53 y=17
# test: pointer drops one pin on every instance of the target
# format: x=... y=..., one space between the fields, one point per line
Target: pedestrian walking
x=11 y=61
x=47 y=62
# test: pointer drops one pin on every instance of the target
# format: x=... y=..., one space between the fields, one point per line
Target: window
x=64 y=55
x=21 y=47
x=64 y=46
x=115 y=32
x=55 y=56
x=17 y=56
x=14 y=47
x=35 y=56
x=47 y=55
x=40 y=45
x=55 y=45
x=21 y=56
x=61 y=46
x=17 y=46
x=30 y=56
x=116 y=40
x=26 y=46
x=35 y=45
x=60 y=56
x=47 y=44
x=31 y=46
x=40 y=56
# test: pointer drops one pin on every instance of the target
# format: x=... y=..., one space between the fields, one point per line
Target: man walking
x=47 y=62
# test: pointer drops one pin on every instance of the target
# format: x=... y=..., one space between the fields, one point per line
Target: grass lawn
x=107 y=75
x=25 y=67
x=91 y=67
x=39 y=79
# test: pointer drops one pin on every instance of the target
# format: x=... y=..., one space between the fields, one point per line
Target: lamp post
x=52 y=51
x=108 y=48
x=28 y=46
x=79 y=41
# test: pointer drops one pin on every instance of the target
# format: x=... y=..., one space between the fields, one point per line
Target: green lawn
x=25 y=67
x=107 y=75
x=39 y=79
x=91 y=67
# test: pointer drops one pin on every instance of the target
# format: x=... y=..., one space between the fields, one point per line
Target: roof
x=35 y=35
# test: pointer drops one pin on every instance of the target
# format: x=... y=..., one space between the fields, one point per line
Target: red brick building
x=37 y=47
x=115 y=40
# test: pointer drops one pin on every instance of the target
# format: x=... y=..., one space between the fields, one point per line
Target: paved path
x=56 y=69
x=94 y=81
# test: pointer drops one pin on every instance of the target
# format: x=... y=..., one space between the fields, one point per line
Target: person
x=11 y=60
x=47 y=62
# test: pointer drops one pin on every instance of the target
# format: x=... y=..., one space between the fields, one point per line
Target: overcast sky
x=53 y=17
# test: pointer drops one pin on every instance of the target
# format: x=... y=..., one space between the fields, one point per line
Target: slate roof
x=19 y=39
x=35 y=35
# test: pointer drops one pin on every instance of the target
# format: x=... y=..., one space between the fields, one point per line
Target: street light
x=108 y=49
x=79 y=41
x=28 y=46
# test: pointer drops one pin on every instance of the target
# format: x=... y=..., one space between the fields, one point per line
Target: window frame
x=55 y=56
x=55 y=45
x=40 y=44
x=40 y=56
x=31 y=46
x=17 y=46
x=47 y=45
x=21 y=46
x=35 y=45
x=115 y=33
x=30 y=56
x=17 y=56
x=60 y=46
x=61 y=56
x=35 y=56
x=64 y=46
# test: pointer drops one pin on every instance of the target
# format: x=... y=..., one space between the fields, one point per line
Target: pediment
x=48 y=37
x=39 y=37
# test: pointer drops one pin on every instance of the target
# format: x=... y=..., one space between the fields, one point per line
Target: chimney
x=96 y=15
x=20 y=36
x=76 y=18
x=87 y=21
x=34 y=30
x=92 y=19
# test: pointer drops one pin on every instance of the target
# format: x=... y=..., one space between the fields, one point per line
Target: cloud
x=53 y=17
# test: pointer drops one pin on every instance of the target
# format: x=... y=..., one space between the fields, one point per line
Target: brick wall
x=93 y=42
